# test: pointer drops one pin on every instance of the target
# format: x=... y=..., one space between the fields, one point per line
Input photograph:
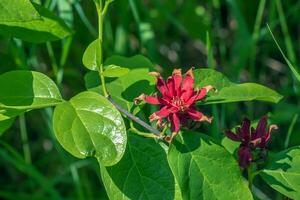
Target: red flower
x=177 y=101
x=251 y=139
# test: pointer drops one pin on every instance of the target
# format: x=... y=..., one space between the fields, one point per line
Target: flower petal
x=198 y=116
x=152 y=100
x=245 y=156
x=175 y=122
x=162 y=113
x=187 y=86
x=199 y=95
x=267 y=136
x=245 y=130
x=194 y=114
x=139 y=99
x=261 y=128
x=171 y=86
x=203 y=92
x=177 y=77
x=160 y=84
x=232 y=136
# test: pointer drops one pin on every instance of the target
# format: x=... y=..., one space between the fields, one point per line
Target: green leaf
x=5 y=125
x=48 y=28
x=204 y=77
x=143 y=172
x=26 y=90
x=283 y=172
x=89 y=125
x=244 y=92
x=125 y=88
x=229 y=145
x=115 y=71
x=9 y=113
x=227 y=92
x=134 y=62
x=205 y=170
x=17 y=11
x=90 y=56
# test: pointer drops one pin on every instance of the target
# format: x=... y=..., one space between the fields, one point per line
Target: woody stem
x=134 y=118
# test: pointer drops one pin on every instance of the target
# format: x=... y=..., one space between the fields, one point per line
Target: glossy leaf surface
x=89 y=125
x=91 y=54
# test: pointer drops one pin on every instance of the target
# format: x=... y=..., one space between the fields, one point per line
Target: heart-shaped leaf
x=283 y=172
x=227 y=91
x=89 y=125
x=205 y=170
x=143 y=172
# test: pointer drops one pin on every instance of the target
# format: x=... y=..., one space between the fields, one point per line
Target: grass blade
x=292 y=68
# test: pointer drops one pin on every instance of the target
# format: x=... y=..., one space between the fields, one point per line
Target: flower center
x=178 y=102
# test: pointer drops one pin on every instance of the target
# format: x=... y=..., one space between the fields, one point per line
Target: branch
x=134 y=118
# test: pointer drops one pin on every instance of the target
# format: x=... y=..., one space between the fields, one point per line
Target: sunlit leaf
x=205 y=170
x=48 y=28
x=17 y=11
x=91 y=54
x=227 y=91
x=283 y=172
x=89 y=125
x=115 y=71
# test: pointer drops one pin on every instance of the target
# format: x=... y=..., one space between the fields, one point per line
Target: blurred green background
x=172 y=34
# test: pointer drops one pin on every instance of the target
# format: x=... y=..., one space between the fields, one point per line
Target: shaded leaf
x=48 y=28
x=9 y=113
x=89 y=125
x=143 y=172
x=5 y=125
x=26 y=90
x=205 y=170
x=283 y=172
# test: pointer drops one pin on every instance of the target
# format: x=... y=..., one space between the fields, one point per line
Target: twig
x=135 y=118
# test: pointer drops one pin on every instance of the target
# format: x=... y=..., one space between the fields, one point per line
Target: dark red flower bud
x=251 y=139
